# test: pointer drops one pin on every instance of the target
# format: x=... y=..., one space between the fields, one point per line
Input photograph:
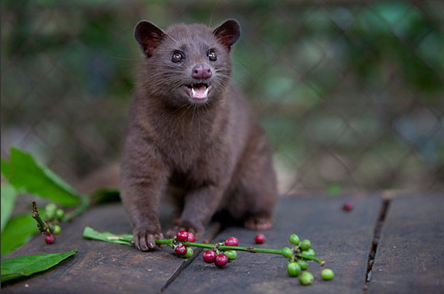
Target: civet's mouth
x=199 y=91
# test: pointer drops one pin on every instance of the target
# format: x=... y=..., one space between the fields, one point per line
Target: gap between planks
x=216 y=228
x=385 y=205
x=212 y=231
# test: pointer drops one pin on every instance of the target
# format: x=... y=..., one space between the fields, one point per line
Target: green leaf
x=22 y=266
x=105 y=195
x=17 y=232
x=23 y=172
x=8 y=201
x=89 y=233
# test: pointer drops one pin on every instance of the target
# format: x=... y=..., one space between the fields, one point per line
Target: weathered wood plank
x=343 y=238
x=98 y=267
x=410 y=254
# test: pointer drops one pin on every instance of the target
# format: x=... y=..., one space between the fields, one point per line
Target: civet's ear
x=148 y=36
x=228 y=33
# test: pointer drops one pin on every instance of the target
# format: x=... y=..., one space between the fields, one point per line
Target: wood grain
x=98 y=267
x=342 y=238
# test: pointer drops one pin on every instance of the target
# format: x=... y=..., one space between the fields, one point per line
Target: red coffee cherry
x=232 y=241
x=221 y=260
x=50 y=238
x=209 y=256
x=259 y=239
x=348 y=206
x=181 y=250
x=191 y=237
x=182 y=236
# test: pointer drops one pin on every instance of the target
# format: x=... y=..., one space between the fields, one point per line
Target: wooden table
x=405 y=230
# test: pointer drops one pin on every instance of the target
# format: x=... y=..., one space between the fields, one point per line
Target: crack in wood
x=212 y=231
x=375 y=240
x=180 y=269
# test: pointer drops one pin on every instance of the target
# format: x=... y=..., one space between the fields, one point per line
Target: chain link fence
x=351 y=93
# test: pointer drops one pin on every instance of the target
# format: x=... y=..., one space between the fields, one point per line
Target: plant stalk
x=43 y=226
x=251 y=249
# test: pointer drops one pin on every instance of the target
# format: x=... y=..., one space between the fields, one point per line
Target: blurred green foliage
x=27 y=175
x=18 y=231
x=350 y=94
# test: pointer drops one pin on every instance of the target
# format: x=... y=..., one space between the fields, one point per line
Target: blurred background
x=351 y=93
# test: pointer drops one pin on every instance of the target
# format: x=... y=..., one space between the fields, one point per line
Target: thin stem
x=43 y=226
x=169 y=242
x=309 y=257
x=218 y=246
x=222 y=247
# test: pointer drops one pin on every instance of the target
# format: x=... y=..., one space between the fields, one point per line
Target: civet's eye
x=212 y=55
x=177 y=56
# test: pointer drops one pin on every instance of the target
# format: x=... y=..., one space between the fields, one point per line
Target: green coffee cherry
x=49 y=216
x=306 y=244
x=294 y=239
x=327 y=274
x=56 y=229
x=309 y=252
x=303 y=264
x=306 y=278
x=189 y=253
x=287 y=252
x=50 y=211
x=231 y=254
x=51 y=207
x=293 y=269
x=60 y=213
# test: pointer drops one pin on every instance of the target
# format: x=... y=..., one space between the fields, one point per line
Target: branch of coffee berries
x=186 y=239
x=50 y=225
x=224 y=252
x=54 y=216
